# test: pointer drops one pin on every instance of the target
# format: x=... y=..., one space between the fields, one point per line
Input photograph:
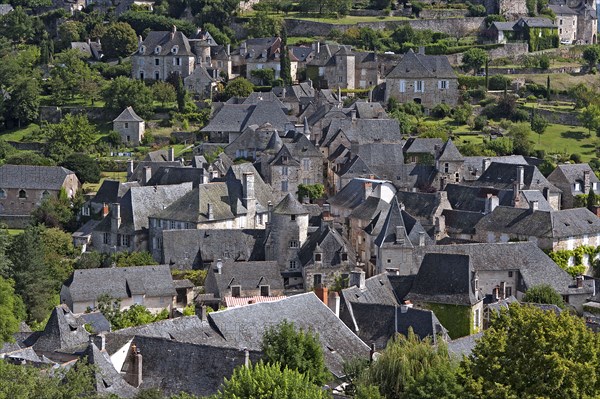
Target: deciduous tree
x=544 y=294
x=119 y=40
x=123 y=92
x=474 y=59
x=12 y=311
x=238 y=87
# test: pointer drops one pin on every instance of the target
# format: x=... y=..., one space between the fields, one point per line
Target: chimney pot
x=534 y=206
x=323 y=294
x=171 y=155
x=586 y=181
x=147 y=175
x=421 y=238
x=210 y=213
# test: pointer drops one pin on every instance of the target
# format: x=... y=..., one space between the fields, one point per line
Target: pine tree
x=286 y=69
x=592 y=200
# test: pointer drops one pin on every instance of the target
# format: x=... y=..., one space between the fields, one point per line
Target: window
x=141 y=75
x=389 y=261
x=157 y=50
x=22 y=194
x=106 y=238
x=45 y=194
x=177 y=61
x=419 y=86
x=284 y=170
x=306 y=164
x=363 y=72
x=172 y=225
x=126 y=125
x=317 y=280
x=402 y=86
x=284 y=186
x=2 y=193
x=292 y=217
x=142 y=49
x=318 y=257
x=284 y=159
x=443 y=84
x=561 y=21
x=508 y=291
x=236 y=291
x=344 y=257
x=293 y=244
x=128 y=138
x=175 y=49
x=156 y=75
x=340 y=78
x=293 y=264
x=510 y=274
x=265 y=290
x=476 y=321
x=560 y=30
x=446 y=167
x=157 y=61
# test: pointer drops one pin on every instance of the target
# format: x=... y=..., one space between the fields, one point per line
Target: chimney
x=104 y=209
x=372 y=353
x=334 y=303
x=368 y=186
x=210 y=213
x=134 y=373
x=516 y=192
x=353 y=114
x=322 y=293
x=88 y=41
x=228 y=49
x=129 y=168
x=309 y=81
x=102 y=346
x=116 y=216
x=370 y=95
x=534 y=206
x=405 y=306
x=400 y=233
x=491 y=202
x=422 y=50
x=421 y=238
x=502 y=293
x=171 y=154
x=520 y=176
x=357 y=279
x=318 y=47
x=579 y=280
x=586 y=181
x=246 y=357
x=173 y=30
x=485 y=164
x=147 y=175
x=140 y=40
x=203 y=313
x=248 y=186
x=219 y=266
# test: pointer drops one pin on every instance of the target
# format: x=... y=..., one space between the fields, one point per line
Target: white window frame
x=419 y=86
x=403 y=86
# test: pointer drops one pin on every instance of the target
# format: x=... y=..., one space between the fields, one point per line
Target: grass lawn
x=17 y=134
x=15 y=232
x=567 y=139
x=297 y=40
x=560 y=81
x=347 y=20
x=92 y=187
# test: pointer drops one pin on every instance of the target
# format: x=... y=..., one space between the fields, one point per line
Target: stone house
x=332 y=66
x=428 y=80
x=448 y=285
x=239 y=202
x=126 y=227
x=539 y=32
x=574 y=180
x=261 y=54
x=150 y=286
x=202 y=81
x=587 y=21
x=428 y=209
x=500 y=32
x=355 y=193
x=244 y=279
x=24 y=187
x=566 y=19
x=130 y=126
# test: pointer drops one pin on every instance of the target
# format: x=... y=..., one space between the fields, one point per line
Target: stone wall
x=52 y=114
x=562 y=118
x=451 y=26
x=508 y=50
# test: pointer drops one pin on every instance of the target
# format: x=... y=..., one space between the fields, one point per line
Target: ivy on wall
x=561 y=258
x=542 y=38
x=456 y=318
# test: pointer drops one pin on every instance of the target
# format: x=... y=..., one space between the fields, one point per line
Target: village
x=267 y=199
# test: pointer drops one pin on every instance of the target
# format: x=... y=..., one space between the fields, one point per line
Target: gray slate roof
x=423 y=146
x=121 y=282
x=423 y=66
x=33 y=177
x=364 y=131
x=449 y=152
x=236 y=117
x=167 y=40
x=503 y=176
x=412 y=228
x=128 y=115
x=245 y=326
x=176 y=175
x=248 y=275
x=107 y=380
x=63 y=331
x=112 y=191
x=289 y=205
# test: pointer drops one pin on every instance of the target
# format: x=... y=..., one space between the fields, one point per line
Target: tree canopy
x=238 y=87
x=123 y=92
x=12 y=311
x=474 y=59
x=119 y=40
x=544 y=294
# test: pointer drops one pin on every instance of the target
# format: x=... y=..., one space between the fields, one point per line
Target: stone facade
x=130 y=126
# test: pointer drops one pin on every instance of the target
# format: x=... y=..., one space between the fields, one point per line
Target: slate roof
x=167 y=40
x=111 y=191
x=503 y=176
x=369 y=110
x=63 y=331
x=397 y=217
x=369 y=209
x=167 y=175
x=232 y=302
x=236 y=117
x=186 y=249
x=571 y=174
x=5 y=9
x=128 y=115
x=138 y=174
x=553 y=224
x=538 y=22
x=289 y=205
x=354 y=193
x=248 y=275
x=423 y=146
x=121 y=282
x=356 y=167
x=244 y=327
x=33 y=177
x=560 y=9
x=461 y=222
x=384 y=159
x=364 y=131
x=474 y=165
x=423 y=66
x=377 y=291
x=535 y=267
x=107 y=380
x=332 y=244
x=141 y=202
x=504 y=26
x=463 y=346
x=446 y=279
x=449 y=152
x=472 y=199
x=97 y=322
x=420 y=205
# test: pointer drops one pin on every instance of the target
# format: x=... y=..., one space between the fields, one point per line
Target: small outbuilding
x=130 y=126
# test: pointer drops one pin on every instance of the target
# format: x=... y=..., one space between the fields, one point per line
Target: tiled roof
x=33 y=177
x=128 y=115
x=422 y=66
x=248 y=275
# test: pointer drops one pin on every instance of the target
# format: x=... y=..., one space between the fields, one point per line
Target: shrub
x=575 y=158
x=498 y=82
x=480 y=122
x=520 y=115
x=441 y=111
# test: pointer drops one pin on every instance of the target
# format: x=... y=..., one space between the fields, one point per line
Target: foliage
x=474 y=59
x=261 y=24
x=312 y=191
x=189 y=310
x=24 y=102
x=480 y=122
x=411 y=368
x=441 y=111
x=592 y=200
x=136 y=315
x=462 y=113
x=54 y=211
x=119 y=40
x=74 y=133
x=85 y=167
x=265 y=76
x=238 y=87
x=590 y=118
x=500 y=146
x=563 y=257
x=544 y=62
x=498 y=82
x=12 y=311
x=519 y=134
x=297 y=350
x=538 y=124
x=542 y=39
x=126 y=259
x=531 y=353
x=269 y=381
x=123 y=92
x=163 y=92
x=17 y=26
x=197 y=277
x=140 y=21
x=591 y=54
x=476 y=10
x=544 y=293
x=435 y=131
x=326 y=7
x=89 y=260
x=406 y=121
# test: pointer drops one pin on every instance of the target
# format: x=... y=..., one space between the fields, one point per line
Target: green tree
x=54 y=212
x=70 y=31
x=269 y=381
x=312 y=191
x=119 y=40
x=12 y=311
x=285 y=64
x=531 y=353
x=538 y=125
x=85 y=167
x=123 y=92
x=519 y=134
x=126 y=259
x=544 y=293
x=74 y=133
x=462 y=113
x=164 y=92
x=474 y=58
x=136 y=315
x=24 y=103
x=590 y=118
x=415 y=369
x=17 y=25
x=238 y=87
x=265 y=76
x=67 y=75
x=261 y=24
x=591 y=55
x=592 y=200
x=297 y=350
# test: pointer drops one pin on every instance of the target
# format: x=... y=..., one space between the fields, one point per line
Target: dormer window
x=265 y=290
x=22 y=194
x=577 y=187
x=157 y=50
x=344 y=257
x=142 y=49
x=175 y=49
x=236 y=291
x=318 y=257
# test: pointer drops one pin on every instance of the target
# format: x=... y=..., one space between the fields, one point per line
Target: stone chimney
x=219 y=266
x=491 y=202
x=353 y=114
x=400 y=233
x=502 y=291
x=534 y=206
x=357 y=279
x=248 y=193
x=422 y=50
x=129 y=168
x=516 y=193
x=147 y=175
x=586 y=181
x=334 y=303
x=210 y=213
x=520 y=177
x=421 y=238
x=115 y=221
x=485 y=164
x=171 y=154
x=105 y=210
x=405 y=306
x=323 y=294
x=134 y=373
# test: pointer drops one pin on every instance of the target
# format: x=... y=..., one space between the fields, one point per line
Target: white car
x=566 y=42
